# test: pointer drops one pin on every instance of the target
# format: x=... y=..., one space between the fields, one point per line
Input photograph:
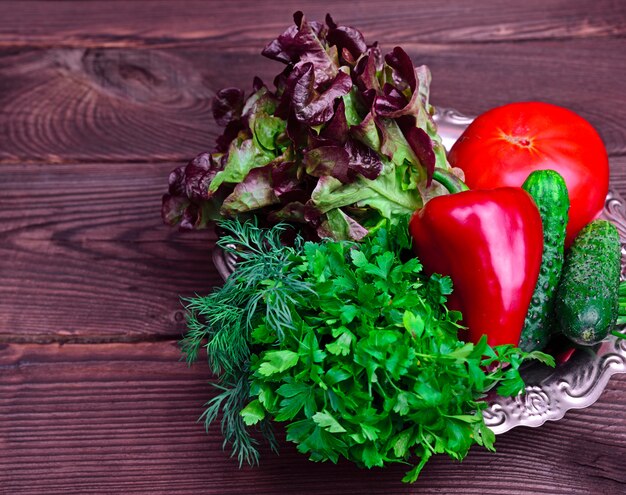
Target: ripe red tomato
x=503 y=145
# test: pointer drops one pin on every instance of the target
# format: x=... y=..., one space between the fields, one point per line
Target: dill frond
x=231 y=400
x=262 y=289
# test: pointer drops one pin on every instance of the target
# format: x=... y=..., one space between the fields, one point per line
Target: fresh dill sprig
x=261 y=285
x=230 y=401
x=261 y=289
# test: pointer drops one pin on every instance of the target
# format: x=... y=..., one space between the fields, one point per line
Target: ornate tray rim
x=550 y=393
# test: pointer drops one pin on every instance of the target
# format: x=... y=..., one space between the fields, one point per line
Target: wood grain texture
x=84 y=254
x=98 y=101
x=251 y=23
x=92 y=101
x=617 y=178
x=84 y=104
x=121 y=418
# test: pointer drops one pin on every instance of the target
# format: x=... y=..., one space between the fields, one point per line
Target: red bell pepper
x=490 y=244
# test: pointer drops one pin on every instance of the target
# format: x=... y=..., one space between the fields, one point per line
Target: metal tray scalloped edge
x=575 y=384
x=549 y=393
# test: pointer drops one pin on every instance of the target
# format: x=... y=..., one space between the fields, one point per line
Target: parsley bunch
x=366 y=363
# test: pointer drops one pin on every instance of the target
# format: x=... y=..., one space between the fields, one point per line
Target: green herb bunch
x=352 y=346
x=262 y=289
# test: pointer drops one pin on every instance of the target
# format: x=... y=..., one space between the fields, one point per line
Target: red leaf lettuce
x=344 y=141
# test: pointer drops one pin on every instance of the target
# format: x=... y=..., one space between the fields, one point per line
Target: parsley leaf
x=352 y=346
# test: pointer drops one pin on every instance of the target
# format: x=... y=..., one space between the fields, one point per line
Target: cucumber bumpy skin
x=587 y=302
x=549 y=191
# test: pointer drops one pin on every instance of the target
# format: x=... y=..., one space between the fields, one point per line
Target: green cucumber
x=549 y=191
x=587 y=300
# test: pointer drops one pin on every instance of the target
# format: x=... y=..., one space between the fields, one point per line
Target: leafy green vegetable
x=386 y=194
x=352 y=346
x=222 y=322
x=345 y=140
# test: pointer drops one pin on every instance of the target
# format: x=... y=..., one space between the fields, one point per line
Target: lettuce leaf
x=388 y=196
x=343 y=140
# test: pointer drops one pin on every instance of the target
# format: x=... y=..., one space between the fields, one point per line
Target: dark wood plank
x=121 y=418
x=253 y=23
x=147 y=104
x=83 y=253
x=97 y=100
x=84 y=256
x=617 y=177
x=81 y=104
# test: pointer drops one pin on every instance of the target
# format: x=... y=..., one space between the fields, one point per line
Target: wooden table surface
x=99 y=100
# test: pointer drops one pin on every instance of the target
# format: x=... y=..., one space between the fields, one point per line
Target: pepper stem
x=450 y=181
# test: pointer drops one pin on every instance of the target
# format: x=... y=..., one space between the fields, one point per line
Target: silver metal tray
x=574 y=384
x=550 y=392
